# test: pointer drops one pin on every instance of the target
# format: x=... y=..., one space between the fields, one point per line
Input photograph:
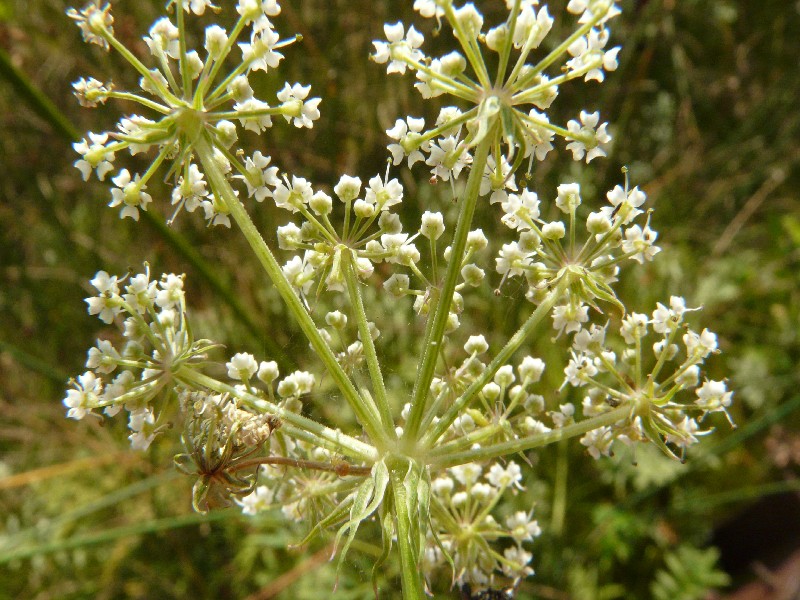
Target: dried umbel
x=223 y=443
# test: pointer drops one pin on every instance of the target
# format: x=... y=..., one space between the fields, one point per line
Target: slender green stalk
x=378 y=385
x=410 y=574
x=528 y=442
x=433 y=341
x=222 y=187
x=116 y=533
x=559 y=511
x=538 y=315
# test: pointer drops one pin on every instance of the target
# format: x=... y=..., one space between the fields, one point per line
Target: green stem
x=559 y=511
x=522 y=444
x=410 y=574
x=433 y=341
x=223 y=188
x=538 y=315
x=378 y=385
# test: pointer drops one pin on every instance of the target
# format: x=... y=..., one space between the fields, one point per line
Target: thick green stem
x=620 y=413
x=538 y=315
x=410 y=574
x=370 y=354
x=223 y=189
x=433 y=341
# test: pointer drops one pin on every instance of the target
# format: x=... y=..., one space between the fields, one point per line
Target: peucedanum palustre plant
x=429 y=462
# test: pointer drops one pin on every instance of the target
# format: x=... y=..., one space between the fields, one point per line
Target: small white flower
x=588 y=136
x=294 y=196
x=242 y=366
x=95 y=156
x=260 y=499
x=406 y=133
x=432 y=225
x=401 y=47
x=522 y=527
x=130 y=194
x=384 y=195
x=86 y=395
x=296 y=108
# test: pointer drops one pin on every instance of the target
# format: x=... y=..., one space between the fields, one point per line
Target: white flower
x=598 y=442
x=667 y=319
x=569 y=197
x=522 y=527
x=399 y=48
x=163 y=39
x=93 y=21
x=633 y=327
x=260 y=53
x=384 y=195
x=130 y=194
x=242 y=366
x=500 y=477
x=713 y=396
x=198 y=7
x=84 y=397
x=251 y=115
x=268 y=371
x=531 y=369
x=140 y=422
x=171 y=294
x=90 y=92
x=432 y=225
x=299 y=273
x=95 y=156
x=587 y=136
x=641 y=242
x=626 y=205
x=448 y=157
x=512 y=260
x=406 y=133
x=296 y=108
x=429 y=8
x=569 y=317
x=260 y=499
x=466 y=474
x=189 y=193
x=476 y=344
x=700 y=345
x=516 y=562
x=579 y=369
x=520 y=210
x=293 y=196
x=532 y=27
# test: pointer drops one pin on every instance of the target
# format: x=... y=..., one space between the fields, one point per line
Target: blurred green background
x=704 y=112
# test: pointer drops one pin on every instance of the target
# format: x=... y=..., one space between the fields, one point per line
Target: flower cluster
x=158 y=344
x=369 y=233
x=507 y=107
x=463 y=529
x=547 y=252
x=660 y=410
x=196 y=104
x=505 y=407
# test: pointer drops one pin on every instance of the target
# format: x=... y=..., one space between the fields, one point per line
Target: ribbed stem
x=225 y=192
x=433 y=341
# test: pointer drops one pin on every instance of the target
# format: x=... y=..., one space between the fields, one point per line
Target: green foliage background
x=704 y=113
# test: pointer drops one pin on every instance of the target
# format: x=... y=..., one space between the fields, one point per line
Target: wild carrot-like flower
x=196 y=99
x=507 y=104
